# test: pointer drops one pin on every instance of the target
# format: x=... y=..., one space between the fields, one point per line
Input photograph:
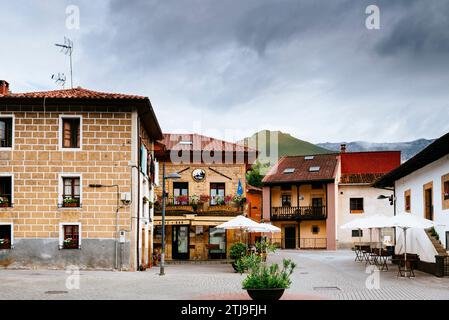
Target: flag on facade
x=240 y=189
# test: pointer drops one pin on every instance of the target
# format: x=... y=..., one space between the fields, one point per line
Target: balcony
x=298 y=213
x=179 y=208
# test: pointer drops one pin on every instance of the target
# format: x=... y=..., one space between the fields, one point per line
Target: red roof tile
x=76 y=93
x=326 y=162
x=200 y=143
x=364 y=178
x=369 y=162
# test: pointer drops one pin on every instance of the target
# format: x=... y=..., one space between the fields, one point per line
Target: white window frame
x=12 y=183
x=13 y=117
x=61 y=176
x=61 y=134
x=11 y=224
x=61 y=233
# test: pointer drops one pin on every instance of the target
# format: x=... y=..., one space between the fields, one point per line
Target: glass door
x=217 y=243
x=180 y=242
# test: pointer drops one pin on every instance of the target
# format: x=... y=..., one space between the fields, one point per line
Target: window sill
x=5 y=148
x=356 y=211
x=70 y=149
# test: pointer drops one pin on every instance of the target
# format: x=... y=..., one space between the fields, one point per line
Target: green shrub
x=249 y=262
x=262 y=276
x=264 y=246
x=237 y=251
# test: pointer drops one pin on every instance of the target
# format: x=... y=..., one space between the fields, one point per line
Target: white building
x=356 y=198
x=421 y=186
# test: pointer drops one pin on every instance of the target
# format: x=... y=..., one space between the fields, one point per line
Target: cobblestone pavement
x=319 y=275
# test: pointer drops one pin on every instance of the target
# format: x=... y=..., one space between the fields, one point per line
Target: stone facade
x=36 y=162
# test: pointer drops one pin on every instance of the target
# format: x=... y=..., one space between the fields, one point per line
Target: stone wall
x=36 y=163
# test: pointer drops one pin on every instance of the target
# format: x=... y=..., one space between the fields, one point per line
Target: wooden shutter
x=67 y=133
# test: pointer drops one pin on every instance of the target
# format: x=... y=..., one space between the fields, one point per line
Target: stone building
x=212 y=173
x=76 y=178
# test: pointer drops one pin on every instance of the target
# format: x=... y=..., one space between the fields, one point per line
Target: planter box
x=4 y=205
x=70 y=205
x=269 y=294
x=70 y=246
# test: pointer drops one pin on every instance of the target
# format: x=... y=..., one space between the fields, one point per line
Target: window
x=357 y=233
x=314 y=169
x=180 y=193
x=71 y=237
x=71 y=132
x=6 y=132
x=289 y=170
x=217 y=243
x=5 y=236
x=309 y=157
x=6 y=191
x=445 y=191
x=315 y=229
x=217 y=193
x=317 y=185
x=71 y=192
x=407 y=200
x=144 y=160
x=286 y=200
x=356 y=205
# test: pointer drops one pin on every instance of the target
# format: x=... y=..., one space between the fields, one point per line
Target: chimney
x=343 y=148
x=4 y=87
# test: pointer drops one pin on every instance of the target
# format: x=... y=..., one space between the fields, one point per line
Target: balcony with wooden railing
x=298 y=213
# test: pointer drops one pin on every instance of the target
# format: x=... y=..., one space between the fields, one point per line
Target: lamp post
x=392 y=199
x=116 y=214
x=164 y=195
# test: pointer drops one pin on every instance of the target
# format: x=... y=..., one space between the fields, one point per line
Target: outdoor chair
x=412 y=259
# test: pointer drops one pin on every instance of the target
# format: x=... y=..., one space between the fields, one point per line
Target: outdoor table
x=410 y=264
x=382 y=259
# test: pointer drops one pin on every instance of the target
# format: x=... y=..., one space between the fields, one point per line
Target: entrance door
x=180 y=242
x=447 y=240
x=428 y=203
x=290 y=237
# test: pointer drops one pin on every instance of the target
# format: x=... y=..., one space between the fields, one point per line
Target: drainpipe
x=138 y=194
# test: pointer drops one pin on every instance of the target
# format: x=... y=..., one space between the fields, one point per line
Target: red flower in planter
x=183 y=200
x=204 y=198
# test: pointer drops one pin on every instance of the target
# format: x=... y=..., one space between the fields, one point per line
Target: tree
x=254 y=176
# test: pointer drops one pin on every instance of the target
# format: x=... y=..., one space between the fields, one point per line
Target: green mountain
x=275 y=144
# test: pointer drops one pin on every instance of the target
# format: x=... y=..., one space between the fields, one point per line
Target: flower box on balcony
x=70 y=203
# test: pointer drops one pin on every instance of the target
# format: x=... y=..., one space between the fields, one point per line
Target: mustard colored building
x=207 y=194
x=77 y=174
x=299 y=196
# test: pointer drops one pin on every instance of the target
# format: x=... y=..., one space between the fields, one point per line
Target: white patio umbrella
x=239 y=222
x=264 y=228
x=376 y=221
x=406 y=221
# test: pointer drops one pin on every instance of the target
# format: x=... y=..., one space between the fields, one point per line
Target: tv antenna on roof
x=59 y=79
x=67 y=49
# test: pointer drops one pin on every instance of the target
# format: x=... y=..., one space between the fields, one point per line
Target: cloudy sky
x=228 y=68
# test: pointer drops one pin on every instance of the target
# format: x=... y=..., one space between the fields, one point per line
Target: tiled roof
x=196 y=142
x=369 y=161
x=327 y=164
x=365 y=178
x=76 y=93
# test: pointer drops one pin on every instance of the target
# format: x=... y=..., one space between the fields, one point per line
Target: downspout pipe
x=138 y=194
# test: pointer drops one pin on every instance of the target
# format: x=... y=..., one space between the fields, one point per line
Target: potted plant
x=182 y=200
x=4 y=244
x=237 y=252
x=4 y=202
x=203 y=202
x=70 y=202
x=247 y=262
x=263 y=248
x=268 y=282
x=69 y=243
